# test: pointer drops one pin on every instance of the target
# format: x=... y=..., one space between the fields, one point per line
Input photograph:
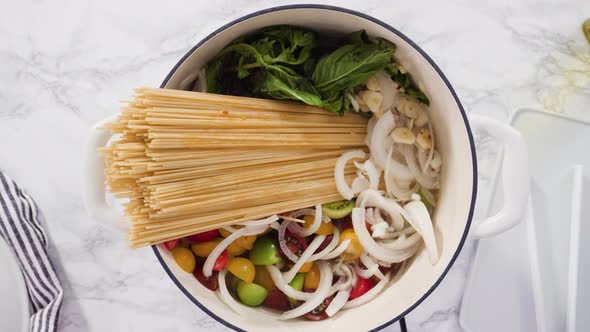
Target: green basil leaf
x=418 y=95
x=279 y=85
x=213 y=76
x=350 y=65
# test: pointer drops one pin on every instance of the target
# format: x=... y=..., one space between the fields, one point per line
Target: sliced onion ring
x=341 y=184
x=304 y=258
x=277 y=278
x=317 y=297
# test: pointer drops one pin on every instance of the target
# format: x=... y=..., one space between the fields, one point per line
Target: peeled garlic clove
x=373 y=84
x=421 y=119
x=373 y=99
x=436 y=162
x=403 y=136
x=424 y=139
x=362 y=105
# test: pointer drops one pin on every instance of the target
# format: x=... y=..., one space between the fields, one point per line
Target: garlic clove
x=436 y=162
x=421 y=119
x=362 y=105
x=373 y=84
x=374 y=100
x=403 y=135
x=424 y=139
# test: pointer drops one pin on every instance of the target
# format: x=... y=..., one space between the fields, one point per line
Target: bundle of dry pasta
x=190 y=162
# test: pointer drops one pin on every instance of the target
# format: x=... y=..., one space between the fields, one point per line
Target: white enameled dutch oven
x=453 y=215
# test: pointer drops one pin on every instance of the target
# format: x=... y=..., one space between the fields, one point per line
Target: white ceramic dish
x=459 y=176
x=14 y=299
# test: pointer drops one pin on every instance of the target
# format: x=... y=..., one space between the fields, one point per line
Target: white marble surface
x=65 y=64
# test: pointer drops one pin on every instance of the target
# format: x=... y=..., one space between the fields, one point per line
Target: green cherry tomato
x=297 y=284
x=265 y=251
x=337 y=210
x=251 y=294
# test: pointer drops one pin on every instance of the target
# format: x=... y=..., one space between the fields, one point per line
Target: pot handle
x=94 y=191
x=515 y=177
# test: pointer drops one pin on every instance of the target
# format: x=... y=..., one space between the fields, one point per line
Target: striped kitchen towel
x=20 y=227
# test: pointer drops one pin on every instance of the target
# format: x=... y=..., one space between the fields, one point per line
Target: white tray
x=532 y=278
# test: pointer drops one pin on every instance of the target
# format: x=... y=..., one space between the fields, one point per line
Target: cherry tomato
x=204 y=249
x=262 y=278
x=361 y=287
x=319 y=313
x=312 y=278
x=277 y=300
x=343 y=223
x=251 y=294
x=325 y=228
x=221 y=261
x=242 y=268
x=325 y=243
x=246 y=241
x=265 y=251
x=204 y=236
x=354 y=249
x=170 y=245
x=209 y=283
x=185 y=259
x=304 y=268
x=235 y=250
x=297 y=284
x=295 y=243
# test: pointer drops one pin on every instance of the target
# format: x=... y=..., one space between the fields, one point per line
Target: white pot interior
x=456 y=198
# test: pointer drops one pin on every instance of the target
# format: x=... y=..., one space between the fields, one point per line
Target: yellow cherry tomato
x=242 y=268
x=263 y=278
x=204 y=249
x=235 y=249
x=312 y=278
x=224 y=233
x=325 y=228
x=246 y=241
x=304 y=268
x=185 y=259
x=354 y=249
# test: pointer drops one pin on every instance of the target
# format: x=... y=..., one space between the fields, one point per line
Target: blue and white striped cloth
x=20 y=227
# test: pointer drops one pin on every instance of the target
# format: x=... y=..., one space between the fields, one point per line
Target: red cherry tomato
x=209 y=283
x=346 y=222
x=203 y=237
x=170 y=245
x=325 y=243
x=319 y=313
x=295 y=243
x=221 y=261
x=360 y=288
x=277 y=300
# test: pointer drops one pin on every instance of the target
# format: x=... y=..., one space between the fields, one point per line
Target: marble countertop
x=66 y=64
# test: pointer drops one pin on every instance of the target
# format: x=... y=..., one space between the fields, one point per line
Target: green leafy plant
x=285 y=62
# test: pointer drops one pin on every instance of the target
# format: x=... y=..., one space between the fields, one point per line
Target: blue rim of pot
x=445 y=80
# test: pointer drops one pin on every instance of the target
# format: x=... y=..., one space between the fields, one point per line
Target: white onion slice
x=424 y=179
x=283 y=244
x=225 y=296
x=373 y=174
x=383 y=127
x=379 y=230
x=402 y=242
x=341 y=184
x=370 y=295
x=338 y=302
x=328 y=248
x=370 y=128
x=304 y=258
x=388 y=90
x=339 y=250
x=393 y=209
x=264 y=221
x=277 y=278
x=249 y=230
x=418 y=212
x=317 y=297
x=370 y=246
x=302 y=231
x=359 y=184
x=369 y=262
x=365 y=273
